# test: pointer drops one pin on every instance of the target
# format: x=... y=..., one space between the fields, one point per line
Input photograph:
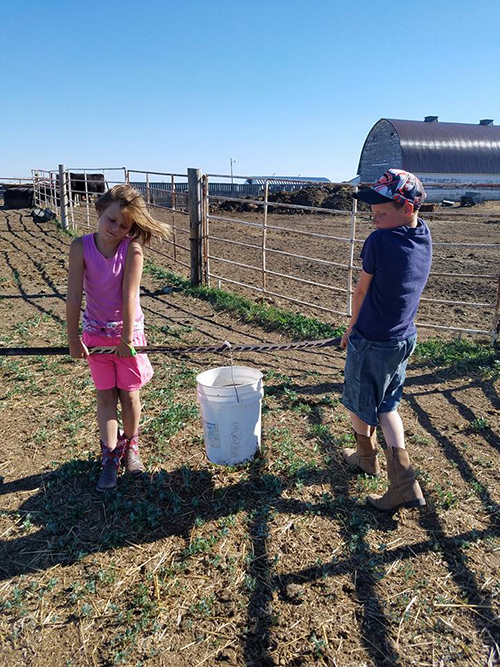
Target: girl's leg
x=131 y=411
x=107 y=401
x=392 y=428
x=111 y=450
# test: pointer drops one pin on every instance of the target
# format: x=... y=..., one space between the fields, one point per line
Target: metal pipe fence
x=297 y=253
x=319 y=240
x=79 y=188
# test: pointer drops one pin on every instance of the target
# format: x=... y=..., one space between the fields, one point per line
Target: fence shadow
x=74 y=521
x=69 y=521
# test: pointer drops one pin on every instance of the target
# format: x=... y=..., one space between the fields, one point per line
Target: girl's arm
x=131 y=285
x=74 y=299
x=357 y=300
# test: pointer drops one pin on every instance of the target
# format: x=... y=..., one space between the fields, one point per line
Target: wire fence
x=311 y=260
x=304 y=255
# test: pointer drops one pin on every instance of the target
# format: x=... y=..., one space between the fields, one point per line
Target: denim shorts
x=374 y=375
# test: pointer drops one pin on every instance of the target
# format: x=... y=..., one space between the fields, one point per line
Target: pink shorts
x=109 y=371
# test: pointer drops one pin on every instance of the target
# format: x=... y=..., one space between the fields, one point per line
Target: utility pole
x=231 y=162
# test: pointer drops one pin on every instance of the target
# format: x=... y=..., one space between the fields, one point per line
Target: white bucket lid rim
x=257 y=375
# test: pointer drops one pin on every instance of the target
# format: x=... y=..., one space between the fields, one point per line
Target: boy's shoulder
x=380 y=235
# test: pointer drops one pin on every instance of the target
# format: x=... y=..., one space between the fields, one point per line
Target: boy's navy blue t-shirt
x=399 y=260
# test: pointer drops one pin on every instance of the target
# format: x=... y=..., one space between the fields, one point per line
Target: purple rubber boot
x=110 y=465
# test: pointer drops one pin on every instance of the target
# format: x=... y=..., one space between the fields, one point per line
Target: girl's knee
x=107 y=396
x=130 y=398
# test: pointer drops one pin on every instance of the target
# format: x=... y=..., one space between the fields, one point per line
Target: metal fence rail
x=72 y=192
x=262 y=272
x=323 y=264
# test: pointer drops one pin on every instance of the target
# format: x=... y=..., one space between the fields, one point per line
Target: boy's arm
x=74 y=299
x=357 y=301
x=131 y=285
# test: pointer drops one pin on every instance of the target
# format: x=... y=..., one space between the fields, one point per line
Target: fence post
x=34 y=176
x=264 y=237
x=352 y=236
x=495 y=331
x=205 y=247
x=62 y=197
x=195 y=222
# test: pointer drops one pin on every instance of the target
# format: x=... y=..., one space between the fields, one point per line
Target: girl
x=108 y=264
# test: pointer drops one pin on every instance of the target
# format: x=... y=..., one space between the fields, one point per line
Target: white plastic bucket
x=230 y=399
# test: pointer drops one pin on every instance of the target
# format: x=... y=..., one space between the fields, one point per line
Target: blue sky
x=283 y=87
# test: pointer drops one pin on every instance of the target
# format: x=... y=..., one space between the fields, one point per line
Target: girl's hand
x=123 y=350
x=78 y=350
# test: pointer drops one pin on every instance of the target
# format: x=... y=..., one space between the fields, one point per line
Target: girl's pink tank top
x=103 y=280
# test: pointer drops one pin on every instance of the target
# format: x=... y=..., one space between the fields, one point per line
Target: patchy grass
x=461 y=354
x=268 y=317
x=279 y=562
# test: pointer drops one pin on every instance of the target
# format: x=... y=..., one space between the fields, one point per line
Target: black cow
x=95 y=185
x=18 y=196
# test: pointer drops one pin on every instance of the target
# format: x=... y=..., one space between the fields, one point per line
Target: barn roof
x=448 y=147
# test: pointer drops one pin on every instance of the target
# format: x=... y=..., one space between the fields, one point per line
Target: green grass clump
x=460 y=354
x=268 y=317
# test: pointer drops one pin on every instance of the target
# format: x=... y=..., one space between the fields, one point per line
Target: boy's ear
x=408 y=209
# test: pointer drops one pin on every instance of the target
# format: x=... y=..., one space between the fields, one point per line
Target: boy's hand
x=343 y=342
x=78 y=350
x=123 y=350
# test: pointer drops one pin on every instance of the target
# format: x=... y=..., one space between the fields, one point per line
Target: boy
x=381 y=334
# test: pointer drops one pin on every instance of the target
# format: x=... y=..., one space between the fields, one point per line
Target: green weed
x=480 y=424
x=459 y=354
x=269 y=317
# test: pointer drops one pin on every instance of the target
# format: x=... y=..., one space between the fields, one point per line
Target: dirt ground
x=287 y=234
x=279 y=562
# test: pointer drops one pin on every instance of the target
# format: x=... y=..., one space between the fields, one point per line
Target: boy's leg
x=364 y=457
x=131 y=415
x=392 y=428
x=359 y=425
x=365 y=454
x=404 y=490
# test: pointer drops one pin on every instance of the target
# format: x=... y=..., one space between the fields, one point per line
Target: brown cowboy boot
x=404 y=490
x=110 y=465
x=365 y=454
x=131 y=458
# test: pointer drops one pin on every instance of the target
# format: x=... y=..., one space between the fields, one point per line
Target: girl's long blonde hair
x=134 y=210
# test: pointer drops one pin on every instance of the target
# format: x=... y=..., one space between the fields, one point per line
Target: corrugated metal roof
x=463 y=148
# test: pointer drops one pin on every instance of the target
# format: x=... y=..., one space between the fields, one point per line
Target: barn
x=459 y=156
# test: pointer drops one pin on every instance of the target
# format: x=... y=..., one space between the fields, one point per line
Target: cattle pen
x=278 y=562
x=302 y=255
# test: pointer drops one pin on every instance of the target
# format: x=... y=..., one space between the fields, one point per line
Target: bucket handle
x=228 y=344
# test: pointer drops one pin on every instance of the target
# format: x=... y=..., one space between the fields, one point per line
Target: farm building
x=285 y=180
x=283 y=183
x=459 y=156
